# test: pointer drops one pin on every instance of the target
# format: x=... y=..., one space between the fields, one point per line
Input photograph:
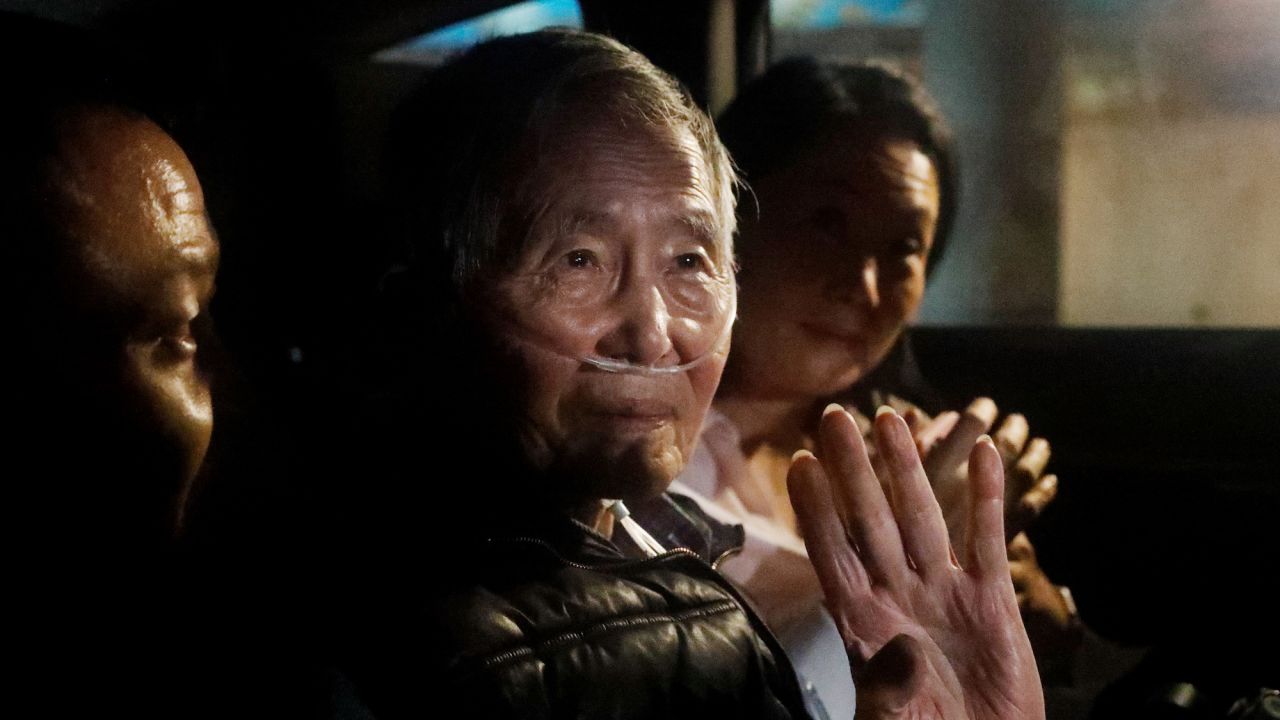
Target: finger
x=923 y=532
x=1028 y=469
x=891 y=678
x=859 y=500
x=839 y=570
x=1020 y=548
x=1041 y=495
x=935 y=431
x=1011 y=438
x=915 y=420
x=899 y=405
x=919 y=413
x=986 y=555
x=862 y=421
x=881 y=469
x=1032 y=503
x=1020 y=575
x=949 y=454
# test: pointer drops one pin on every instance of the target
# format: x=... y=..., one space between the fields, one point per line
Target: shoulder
x=535 y=632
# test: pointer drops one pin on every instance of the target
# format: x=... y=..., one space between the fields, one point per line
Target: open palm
x=928 y=636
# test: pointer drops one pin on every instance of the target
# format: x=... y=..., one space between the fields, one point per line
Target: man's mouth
x=634 y=413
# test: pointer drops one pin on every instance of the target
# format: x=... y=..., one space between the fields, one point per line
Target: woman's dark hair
x=786 y=112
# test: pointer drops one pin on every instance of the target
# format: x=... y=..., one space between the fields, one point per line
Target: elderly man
x=571 y=213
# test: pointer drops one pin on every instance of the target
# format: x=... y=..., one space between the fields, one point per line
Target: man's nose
x=857 y=283
x=642 y=331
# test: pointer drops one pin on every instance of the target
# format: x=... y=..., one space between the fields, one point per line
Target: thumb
x=890 y=679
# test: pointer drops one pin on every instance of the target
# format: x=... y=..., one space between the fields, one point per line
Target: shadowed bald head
x=114 y=172
x=118 y=259
x=123 y=204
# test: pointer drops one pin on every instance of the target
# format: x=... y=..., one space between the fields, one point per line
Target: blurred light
x=519 y=18
x=830 y=14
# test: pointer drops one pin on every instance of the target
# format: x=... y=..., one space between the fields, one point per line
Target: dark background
x=1165 y=440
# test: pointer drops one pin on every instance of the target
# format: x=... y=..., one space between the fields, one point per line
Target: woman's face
x=834 y=267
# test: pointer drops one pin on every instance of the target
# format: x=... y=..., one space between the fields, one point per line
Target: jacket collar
x=674 y=520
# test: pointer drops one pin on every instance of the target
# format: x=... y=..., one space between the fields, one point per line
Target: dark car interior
x=1164 y=435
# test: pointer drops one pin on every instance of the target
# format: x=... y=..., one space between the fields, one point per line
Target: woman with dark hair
x=854 y=189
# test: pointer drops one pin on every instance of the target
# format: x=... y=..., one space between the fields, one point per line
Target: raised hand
x=927 y=636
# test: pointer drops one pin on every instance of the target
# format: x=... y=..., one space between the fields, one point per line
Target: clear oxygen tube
x=629 y=368
x=696 y=318
x=638 y=535
x=626 y=367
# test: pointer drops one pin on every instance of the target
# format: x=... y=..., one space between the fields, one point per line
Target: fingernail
x=986 y=439
x=801 y=453
x=884 y=410
x=833 y=407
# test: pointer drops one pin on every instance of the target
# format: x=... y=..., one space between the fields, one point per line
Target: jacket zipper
x=780 y=657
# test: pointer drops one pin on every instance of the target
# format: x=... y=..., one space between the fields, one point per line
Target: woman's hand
x=926 y=635
x=944 y=443
x=1049 y=616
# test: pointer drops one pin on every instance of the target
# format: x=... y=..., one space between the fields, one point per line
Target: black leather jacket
x=554 y=621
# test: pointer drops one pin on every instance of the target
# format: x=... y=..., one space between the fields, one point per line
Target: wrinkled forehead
x=125 y=199
x=601 y=166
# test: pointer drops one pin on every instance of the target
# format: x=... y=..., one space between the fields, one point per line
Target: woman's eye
x=909 y=246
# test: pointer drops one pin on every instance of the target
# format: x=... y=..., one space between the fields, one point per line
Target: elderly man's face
x=626 y=261
x=137 y=265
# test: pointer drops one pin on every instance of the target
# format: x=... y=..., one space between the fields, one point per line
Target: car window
x=1118 y=158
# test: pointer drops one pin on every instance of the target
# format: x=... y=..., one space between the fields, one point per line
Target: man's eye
x=179 y=345
x=580 y=258
x=176 y=341
x=169 y=350
x=185 y=345
x=691 y=261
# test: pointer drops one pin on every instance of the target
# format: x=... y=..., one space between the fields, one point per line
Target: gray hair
x=465 y=139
